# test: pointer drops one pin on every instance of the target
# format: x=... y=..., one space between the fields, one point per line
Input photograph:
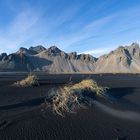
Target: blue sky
x=89 y=26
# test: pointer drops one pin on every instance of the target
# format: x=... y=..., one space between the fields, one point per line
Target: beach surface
x=115 y=118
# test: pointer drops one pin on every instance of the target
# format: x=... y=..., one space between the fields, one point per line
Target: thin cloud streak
x=97 y=52
x=94 y=29
x=73 y=26
x=85 y=32
x=18 y=30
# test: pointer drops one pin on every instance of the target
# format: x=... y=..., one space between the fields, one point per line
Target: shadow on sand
x=27 y=103
x=119 y=95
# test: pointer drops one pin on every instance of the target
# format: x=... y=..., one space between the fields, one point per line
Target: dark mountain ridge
x=122 y=60
x=39 y=58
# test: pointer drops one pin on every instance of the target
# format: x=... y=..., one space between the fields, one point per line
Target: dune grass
x=70 y=97
x=30 y=80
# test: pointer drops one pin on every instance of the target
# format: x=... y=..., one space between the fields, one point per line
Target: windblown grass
x=71 y=97
x=30 y=80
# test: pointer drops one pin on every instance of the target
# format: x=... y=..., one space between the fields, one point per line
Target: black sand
x=117 y=117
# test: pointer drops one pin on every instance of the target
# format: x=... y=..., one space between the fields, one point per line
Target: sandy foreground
x=114 y=118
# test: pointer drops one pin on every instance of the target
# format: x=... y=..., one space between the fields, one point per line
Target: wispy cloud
x=98 y=52
x=19 y=29
x=30 y=23
x=105 y=27
x=85 y=26
x=23 y=22
x=89 y=31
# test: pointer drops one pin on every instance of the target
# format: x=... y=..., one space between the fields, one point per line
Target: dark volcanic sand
x=117 y=117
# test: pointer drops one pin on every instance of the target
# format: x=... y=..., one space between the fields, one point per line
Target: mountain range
x=124 y=59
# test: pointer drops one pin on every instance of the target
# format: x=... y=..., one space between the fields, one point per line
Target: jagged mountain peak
x=22 y=50
x=25 y=51
x=120 y=50
x=72 y=55
x=87 y=58
x=3 y=56
x=124 y=49
x=134 y=50
x=54 y=49
x=31 y=51
x=38 y=48
x=134 y=45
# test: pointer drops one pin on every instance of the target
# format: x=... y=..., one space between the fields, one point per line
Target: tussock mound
x=70 y=97
x=30 y=80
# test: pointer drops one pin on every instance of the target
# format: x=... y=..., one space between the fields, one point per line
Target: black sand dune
x=117 y=117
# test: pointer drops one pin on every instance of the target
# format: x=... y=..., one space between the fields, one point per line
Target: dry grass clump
x=30 y=80
x=68 y=98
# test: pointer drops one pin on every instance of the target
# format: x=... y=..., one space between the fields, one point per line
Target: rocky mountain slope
x=51 y=60
x=123 y=59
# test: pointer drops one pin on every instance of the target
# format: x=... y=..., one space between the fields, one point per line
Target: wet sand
x=117 y=117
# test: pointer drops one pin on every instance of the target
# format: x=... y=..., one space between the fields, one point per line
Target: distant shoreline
x=43 y=72
x=104 y=79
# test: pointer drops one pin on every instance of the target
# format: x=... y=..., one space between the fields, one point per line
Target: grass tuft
x=30 y=80
x=70 y=97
